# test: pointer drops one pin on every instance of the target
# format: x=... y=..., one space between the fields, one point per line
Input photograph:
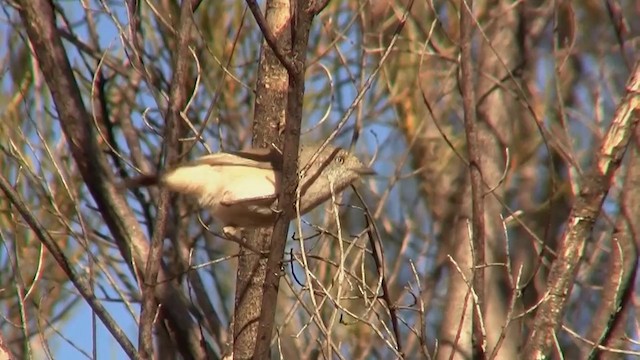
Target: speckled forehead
x=328 y=155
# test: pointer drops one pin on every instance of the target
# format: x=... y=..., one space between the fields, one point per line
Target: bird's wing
x=257 y=158
x=229 y=200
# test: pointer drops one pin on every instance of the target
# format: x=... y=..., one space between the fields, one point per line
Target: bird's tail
x=140 y=181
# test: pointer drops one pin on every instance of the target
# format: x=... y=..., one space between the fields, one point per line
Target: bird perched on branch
x=240 y=189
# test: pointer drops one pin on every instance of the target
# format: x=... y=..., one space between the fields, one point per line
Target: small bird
x=240 y=189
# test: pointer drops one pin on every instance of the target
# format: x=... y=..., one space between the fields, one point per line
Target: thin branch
x=475 y=173
x=587 y=208
x=39 y=21
x=378 y=258
x=78 y=281
x=177 y=102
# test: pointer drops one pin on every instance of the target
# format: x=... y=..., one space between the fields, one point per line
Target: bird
x=240 y=189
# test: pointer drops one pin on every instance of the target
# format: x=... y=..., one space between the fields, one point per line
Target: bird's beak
x=365 y=171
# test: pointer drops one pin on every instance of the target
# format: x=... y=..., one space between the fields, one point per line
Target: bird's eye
x=340 y=159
